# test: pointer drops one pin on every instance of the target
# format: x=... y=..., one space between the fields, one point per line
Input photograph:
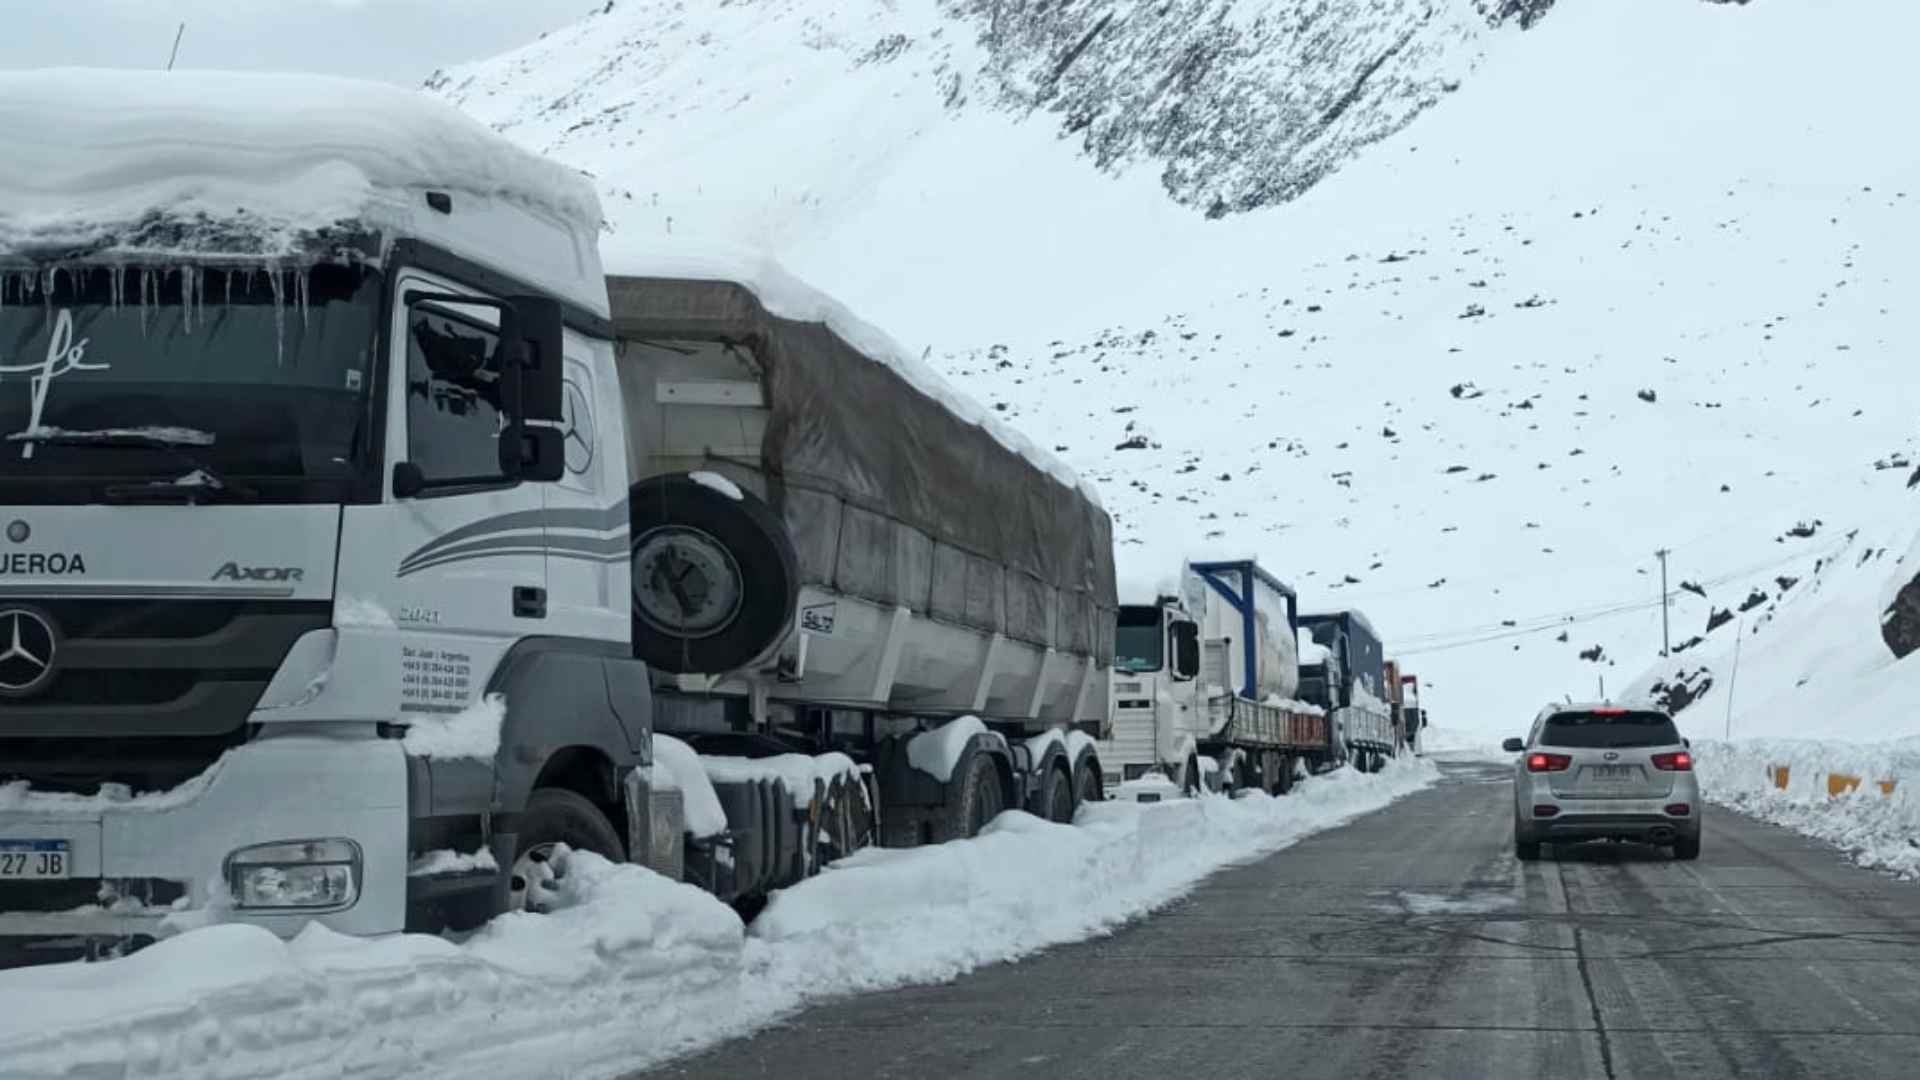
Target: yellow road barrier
x=1838 y=784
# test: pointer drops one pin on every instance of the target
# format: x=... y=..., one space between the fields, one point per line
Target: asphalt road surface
x=1410 y=943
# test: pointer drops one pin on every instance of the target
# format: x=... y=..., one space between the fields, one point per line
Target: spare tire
x=715 y=578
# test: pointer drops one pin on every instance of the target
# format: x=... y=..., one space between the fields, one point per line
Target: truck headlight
x=295 y=874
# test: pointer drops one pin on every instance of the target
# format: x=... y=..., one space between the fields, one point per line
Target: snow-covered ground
x=634 y=968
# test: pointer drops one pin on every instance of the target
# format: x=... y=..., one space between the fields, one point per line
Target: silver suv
x=1603 y=771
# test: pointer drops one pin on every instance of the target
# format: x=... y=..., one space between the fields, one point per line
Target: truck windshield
x=1138 y=644
x=117 y=380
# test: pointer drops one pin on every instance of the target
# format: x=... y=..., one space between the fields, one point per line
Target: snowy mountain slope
x=1642 y=282
x=1238 y=103
x=1804 y=669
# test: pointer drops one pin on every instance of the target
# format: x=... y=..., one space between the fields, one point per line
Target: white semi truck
x=1224 y=684
x=362 y=542
x=1205 y=682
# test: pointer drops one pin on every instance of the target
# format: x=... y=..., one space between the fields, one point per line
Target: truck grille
x=160 y=669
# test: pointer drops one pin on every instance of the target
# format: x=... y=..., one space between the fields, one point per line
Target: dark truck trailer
x=1347 y=679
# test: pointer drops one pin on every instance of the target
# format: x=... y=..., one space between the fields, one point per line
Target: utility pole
x=175 y=54
x=1666 y=639
x=1738 y=637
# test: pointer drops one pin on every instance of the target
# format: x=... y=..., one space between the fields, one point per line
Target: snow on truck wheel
x=715 y=577
x=556 y=823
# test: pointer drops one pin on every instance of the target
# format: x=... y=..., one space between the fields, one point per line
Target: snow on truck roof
x=92 y=158
x=786 y=296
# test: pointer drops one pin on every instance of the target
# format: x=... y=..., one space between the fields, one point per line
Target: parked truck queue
x=375 y=539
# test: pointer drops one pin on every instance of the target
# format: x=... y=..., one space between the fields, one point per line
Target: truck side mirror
x=533 y=388
x=1513 y=746
x=525 y=373
x=1186 y=650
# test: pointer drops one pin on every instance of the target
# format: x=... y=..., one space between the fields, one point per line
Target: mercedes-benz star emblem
x=27 y=645
x=18 y=531
x=576 y=429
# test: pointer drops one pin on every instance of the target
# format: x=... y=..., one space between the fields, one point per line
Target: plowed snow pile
x=636 y=968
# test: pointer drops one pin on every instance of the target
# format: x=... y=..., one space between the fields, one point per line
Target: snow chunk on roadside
x=677 y=768
x=713 y=481
x=632 y=967
x=473 y=732
x=937 y=752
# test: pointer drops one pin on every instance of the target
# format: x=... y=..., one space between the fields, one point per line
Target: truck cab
x=1155 y=666
x=294 y=501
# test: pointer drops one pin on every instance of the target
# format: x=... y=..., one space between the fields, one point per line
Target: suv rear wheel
x=1687 y=848
x=1523 y=849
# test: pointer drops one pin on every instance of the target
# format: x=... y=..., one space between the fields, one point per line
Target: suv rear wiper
x=204 y=483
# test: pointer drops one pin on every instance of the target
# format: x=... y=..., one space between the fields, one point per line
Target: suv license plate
x=1612 y=772
x=35 y=860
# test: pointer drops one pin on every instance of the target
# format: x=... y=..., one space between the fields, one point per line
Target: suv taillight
x=1678 y=761
x=1548 y=762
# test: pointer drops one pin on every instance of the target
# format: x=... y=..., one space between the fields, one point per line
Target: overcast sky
x=400 y=41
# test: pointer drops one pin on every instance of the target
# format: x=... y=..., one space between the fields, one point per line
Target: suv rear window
x=1627 y=729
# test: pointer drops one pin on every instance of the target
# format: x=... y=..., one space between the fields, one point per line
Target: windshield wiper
x=203 y=484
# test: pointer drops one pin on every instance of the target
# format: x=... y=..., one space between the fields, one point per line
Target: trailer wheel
x=715 y=579
x=974 y=795
x=557 y=821
x=1284 y=784
x=1088 y=783
x=1056 y=795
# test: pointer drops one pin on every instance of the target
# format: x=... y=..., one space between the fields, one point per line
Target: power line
x=1445 y=640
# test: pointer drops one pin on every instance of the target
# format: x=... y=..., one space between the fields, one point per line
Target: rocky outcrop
x=1682 y=690
x=1243 y=104
x=1900 y=623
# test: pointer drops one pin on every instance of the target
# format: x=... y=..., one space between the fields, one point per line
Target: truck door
x=587 y=549
x=458 y=567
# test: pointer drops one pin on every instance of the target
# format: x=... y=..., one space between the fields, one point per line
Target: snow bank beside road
x=634 y=968
x=1872 y=829
x=1025 y=884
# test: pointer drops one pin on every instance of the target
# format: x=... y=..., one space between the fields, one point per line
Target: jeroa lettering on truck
x=42 y=562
